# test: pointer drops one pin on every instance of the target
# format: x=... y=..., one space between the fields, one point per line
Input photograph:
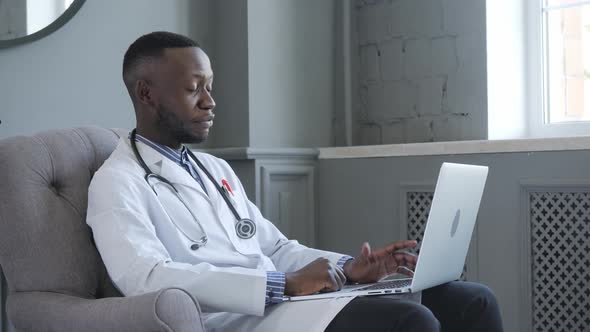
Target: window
x=559 y=33
x=566 y=25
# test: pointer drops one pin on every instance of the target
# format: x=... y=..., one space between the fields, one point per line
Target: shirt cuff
x=343 y=260
x=275 y=287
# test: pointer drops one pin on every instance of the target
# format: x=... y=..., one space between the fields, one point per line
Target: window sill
x=458 y=147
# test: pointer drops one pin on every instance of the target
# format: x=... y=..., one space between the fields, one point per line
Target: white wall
x=421 y=71
x=73 y=76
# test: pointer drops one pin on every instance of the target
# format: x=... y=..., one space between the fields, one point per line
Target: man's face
x=182 y=84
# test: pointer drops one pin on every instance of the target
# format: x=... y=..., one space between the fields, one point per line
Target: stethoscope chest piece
x=245 y=228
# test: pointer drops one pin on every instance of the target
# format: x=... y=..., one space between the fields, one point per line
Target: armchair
x=56 y=278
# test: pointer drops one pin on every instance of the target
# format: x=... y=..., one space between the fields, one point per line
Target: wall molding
x=249 y=153
x=458 y=147
x=268 y=171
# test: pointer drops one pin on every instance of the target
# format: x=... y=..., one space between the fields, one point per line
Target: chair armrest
x=170 y=310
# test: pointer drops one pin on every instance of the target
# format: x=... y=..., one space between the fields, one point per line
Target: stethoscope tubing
x=242 y=223
x=204 y=239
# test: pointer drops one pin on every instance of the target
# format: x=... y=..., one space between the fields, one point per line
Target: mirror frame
x=54 y=26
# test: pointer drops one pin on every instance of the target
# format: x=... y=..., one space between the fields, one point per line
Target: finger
x=366 y=250
x=405 y=270
x=405 y=258
x=398 y=245
x=393 y=248
x=411 y=262
x=407 y=261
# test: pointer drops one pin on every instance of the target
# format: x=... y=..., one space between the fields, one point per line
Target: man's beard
x=169 y=122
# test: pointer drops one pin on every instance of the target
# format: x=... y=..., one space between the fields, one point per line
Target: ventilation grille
x=560 y=240
x=418 y=210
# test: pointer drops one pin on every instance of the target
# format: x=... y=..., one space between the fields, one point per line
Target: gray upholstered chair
x=56 y=278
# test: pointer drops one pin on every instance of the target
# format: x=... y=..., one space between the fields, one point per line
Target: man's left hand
x=370 y=266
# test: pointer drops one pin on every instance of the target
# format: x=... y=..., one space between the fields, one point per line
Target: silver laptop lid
x=450 y=224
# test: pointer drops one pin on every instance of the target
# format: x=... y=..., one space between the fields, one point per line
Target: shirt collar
x=177 y=156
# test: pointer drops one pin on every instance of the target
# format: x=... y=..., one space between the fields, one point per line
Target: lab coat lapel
x=151 y=157
x=224 y=214
x=179 y=176
x=163 y=166
x=215 y=197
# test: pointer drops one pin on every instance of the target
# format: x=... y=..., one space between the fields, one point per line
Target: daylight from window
x=567 y=62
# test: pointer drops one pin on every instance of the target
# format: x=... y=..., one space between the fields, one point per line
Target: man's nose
x=207 y=102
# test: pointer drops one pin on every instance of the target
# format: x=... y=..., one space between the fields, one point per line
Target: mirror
x=23 y=21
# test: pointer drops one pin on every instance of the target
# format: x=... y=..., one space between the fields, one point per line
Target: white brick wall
x=421 y=70
x=443 y=55
x=370 y=70
x=417 y=58
x=391 y=59
x=430 y=95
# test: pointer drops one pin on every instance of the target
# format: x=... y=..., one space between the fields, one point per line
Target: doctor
x=162 y=216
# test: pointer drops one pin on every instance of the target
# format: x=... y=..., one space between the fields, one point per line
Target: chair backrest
x=45 y=244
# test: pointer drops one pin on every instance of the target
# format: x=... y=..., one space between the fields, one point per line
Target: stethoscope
x=245 y=228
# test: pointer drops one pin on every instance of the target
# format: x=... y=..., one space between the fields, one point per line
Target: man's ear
x=144 y=93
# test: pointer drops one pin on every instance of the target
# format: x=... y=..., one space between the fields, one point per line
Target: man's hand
x=318 y=276
x=372 y=266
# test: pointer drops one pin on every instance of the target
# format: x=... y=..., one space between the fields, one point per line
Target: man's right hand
x=320 y=275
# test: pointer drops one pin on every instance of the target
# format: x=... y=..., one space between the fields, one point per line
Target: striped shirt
x=275 y=281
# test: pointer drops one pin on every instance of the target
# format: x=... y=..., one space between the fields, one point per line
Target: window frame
x=537 y=99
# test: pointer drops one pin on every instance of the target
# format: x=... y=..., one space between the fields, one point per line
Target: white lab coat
x=143 y=239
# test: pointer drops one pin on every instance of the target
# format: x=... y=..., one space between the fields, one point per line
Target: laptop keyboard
x=389 y=284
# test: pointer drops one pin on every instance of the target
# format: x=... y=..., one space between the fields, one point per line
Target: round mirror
x=23 y=21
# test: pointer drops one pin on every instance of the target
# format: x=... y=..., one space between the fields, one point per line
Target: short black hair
x=152 y=45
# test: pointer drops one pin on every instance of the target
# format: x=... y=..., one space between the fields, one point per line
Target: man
x=162 y=217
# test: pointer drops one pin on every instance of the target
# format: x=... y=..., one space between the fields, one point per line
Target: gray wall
x=361 y=200
x=273 y=63
x=13 y=19
x=291 y=64
x=73 y=76
x=420 y=72
x=229 y=58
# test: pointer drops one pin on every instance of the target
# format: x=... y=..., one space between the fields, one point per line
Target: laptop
x=452 y=217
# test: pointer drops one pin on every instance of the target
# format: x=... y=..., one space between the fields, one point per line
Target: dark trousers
x=455 y=306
